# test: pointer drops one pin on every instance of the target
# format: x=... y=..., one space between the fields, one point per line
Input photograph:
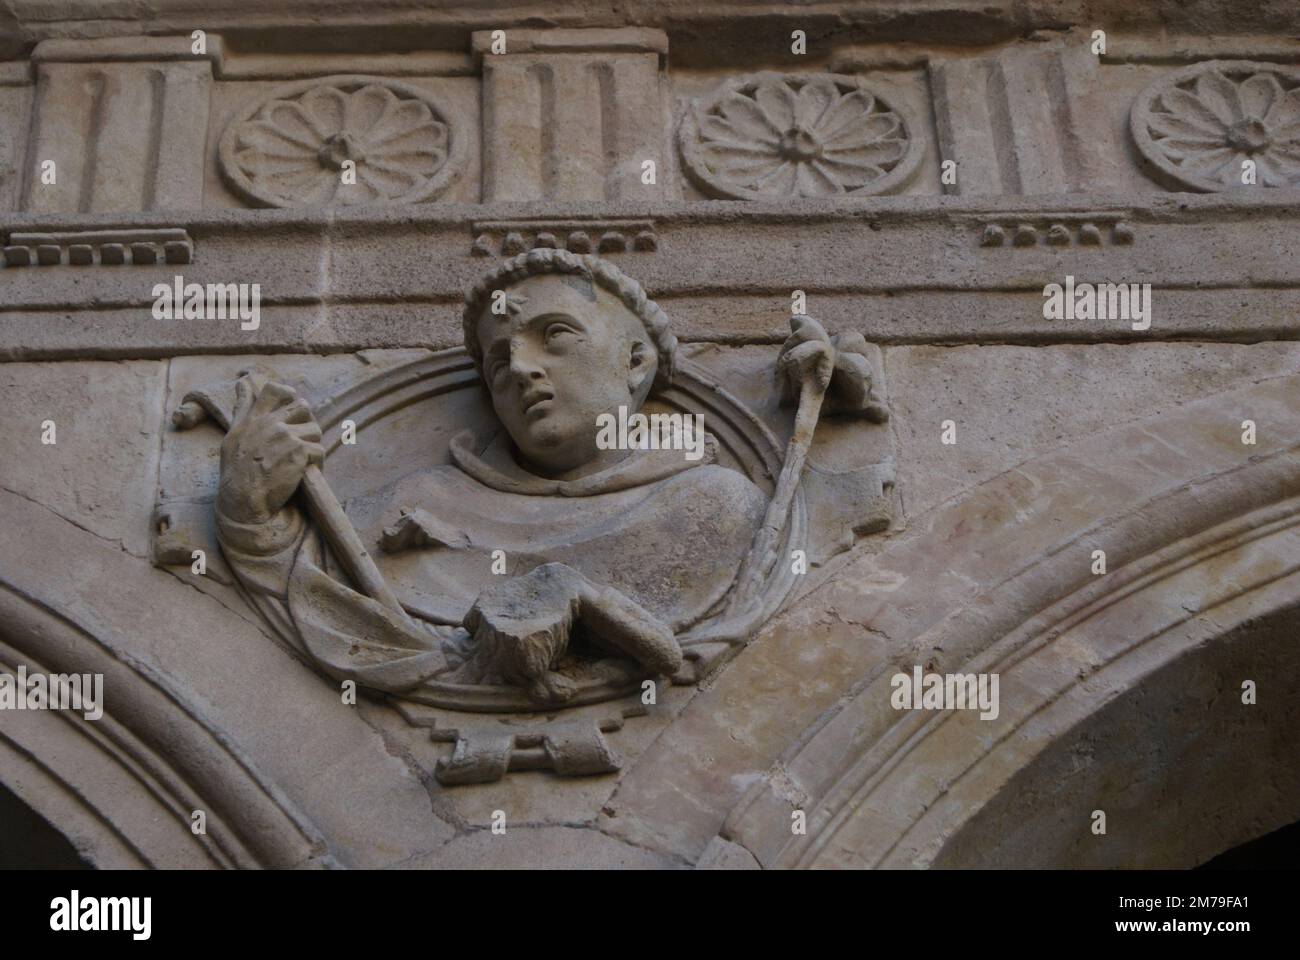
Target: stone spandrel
x=564 y=562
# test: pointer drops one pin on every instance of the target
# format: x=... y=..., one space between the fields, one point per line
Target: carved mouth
x=537 y=401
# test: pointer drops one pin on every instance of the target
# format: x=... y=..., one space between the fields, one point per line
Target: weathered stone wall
x=1120 y=691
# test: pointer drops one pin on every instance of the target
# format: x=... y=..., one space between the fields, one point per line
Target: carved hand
x=271 y=440
x=839 y=362
x=521 y=629
x=807 y=354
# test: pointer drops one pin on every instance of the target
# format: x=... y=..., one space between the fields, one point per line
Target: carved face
x=564 y=352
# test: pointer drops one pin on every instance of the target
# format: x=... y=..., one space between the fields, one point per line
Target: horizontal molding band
x=900 y=270
x=1228 y=205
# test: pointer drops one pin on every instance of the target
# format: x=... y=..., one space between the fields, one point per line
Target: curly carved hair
x=594 y=270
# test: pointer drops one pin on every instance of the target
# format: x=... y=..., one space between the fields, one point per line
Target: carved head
x=560 y=339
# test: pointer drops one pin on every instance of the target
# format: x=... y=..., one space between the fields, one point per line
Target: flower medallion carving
x=771 y=135
x=1200 y=124
x=339 y=141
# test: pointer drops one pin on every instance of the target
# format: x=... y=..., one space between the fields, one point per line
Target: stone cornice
x=900 y=270
x=1182 y=207
x=413 y=24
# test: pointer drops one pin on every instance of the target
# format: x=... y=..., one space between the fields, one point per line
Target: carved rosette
x=788 y=135
x=1198 y=125
x=291 y=148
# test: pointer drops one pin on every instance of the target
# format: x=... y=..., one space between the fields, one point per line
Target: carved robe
x=667 y=532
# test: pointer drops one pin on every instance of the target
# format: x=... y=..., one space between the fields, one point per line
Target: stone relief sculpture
x=789 y=135
x=541 y=567
x=401 y=552
x=1197 y=126
x=289 y=149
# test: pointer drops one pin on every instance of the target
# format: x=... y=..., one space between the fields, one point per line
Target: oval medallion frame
x=742 y=437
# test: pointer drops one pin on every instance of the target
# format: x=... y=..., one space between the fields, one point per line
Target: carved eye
x=557 y=330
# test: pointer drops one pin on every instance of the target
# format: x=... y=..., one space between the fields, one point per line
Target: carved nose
x=524 y=369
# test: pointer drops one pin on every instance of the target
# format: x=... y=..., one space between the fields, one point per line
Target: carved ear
x=641 y=367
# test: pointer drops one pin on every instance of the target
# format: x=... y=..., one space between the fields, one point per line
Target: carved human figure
x=543 y=547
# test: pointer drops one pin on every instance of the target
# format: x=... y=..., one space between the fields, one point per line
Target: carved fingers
x=851 y=390
x=807 y=355
x=273 y=437
x=839 y=364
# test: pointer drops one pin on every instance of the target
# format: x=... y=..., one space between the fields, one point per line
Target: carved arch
x=1108 y=697
x=122 y=788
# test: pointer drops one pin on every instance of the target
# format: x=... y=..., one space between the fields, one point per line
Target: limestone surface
x=659 y=435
